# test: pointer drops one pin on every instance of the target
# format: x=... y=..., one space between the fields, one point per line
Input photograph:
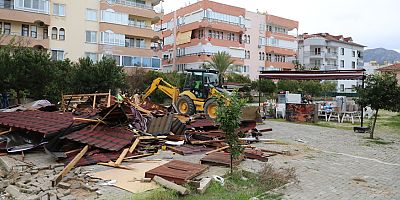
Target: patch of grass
x=392 y=122
x=239 y=185
x=380 y=141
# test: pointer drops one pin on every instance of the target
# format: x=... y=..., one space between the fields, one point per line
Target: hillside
x=381 y=55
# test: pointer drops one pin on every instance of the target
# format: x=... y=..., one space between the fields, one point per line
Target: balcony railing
x=30 y=36
x=331 y=55
x=7 y=4
x=138 y=25
x=131 y=4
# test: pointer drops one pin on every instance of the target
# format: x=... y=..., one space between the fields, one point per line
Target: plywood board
x=130 y=179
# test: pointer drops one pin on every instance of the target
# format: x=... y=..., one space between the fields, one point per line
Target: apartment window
x=45 y=33
x=248 y=39
x=353 y=65
x=114 y=17
x=92 y=56
x=127 y=60
x=137 y=61
x=41 y=6
x=155 y=63
x=342 y=51
x=201 y=33
x=140 y=43
x=341 y=87
x=263 y=56
x=34 y=31
x=342 y=63
x=62 y=34
x=146 y=62
x=112 y=38
x=54 y=33
x=269 y=57
x=7 y=28
x=25 y=30
x=58 y=9
x=91 y=15
x=260 y=57
x=317 y=51
x=354 y=54
x=91 y=36
x=57 y=55
x=1 y=27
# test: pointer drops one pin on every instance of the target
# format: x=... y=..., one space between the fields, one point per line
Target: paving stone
x=14 y=191
x=75 y=185
x=33 y=197
x=64 y=185
x=69 y=197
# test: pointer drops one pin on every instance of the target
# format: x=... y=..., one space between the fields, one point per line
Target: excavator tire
x=210 y=108
x=186 y=106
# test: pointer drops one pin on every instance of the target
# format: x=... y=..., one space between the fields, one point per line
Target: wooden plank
x=85 y=95
x=94 y=101
x=138 y=156
x=115 y=106
x=68 y=168
x=122 y=156
x=216 y=150
x=133 y=147
x=152 y=137
x=5 y=132
x=112 y=164
x=170 y=185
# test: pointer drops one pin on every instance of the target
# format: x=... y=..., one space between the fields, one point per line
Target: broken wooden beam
x=153 y=137
x=5 y=132
x=170 y=185
x=134 y=145
x=70 y=165
x=216 y=150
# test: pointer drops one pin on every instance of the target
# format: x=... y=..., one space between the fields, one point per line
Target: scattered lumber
x=68 y=168
x=216 y=150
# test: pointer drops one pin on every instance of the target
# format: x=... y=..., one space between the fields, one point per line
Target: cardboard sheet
x=130 y=179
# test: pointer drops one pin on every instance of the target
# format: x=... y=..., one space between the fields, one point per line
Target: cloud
x=371 y=23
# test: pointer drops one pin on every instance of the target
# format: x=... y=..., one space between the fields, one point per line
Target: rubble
x=101 y=130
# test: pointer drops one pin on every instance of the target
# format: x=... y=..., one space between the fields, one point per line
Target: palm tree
x=221 y=62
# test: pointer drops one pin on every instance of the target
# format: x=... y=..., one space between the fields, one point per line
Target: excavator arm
x=163 y=86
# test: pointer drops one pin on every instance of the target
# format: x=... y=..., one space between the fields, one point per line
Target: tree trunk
x=18 y=97
x=371 y=134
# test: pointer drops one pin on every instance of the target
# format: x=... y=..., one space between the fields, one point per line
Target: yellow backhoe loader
x=198 y=94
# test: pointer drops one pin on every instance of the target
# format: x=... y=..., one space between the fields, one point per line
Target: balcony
x=131 y=30
x=332 y=55
x=10 y=13
x=132 y=8
x=40 y=42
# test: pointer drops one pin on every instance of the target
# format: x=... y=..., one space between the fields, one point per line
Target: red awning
x=314 y=75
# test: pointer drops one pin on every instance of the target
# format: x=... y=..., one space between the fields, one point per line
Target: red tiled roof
x=327 y=36
x=395 y=67
x=103 y=137
x=38 y=121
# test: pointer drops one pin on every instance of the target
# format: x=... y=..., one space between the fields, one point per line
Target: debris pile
x=98 y=132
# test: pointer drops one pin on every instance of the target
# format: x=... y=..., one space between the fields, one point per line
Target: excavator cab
x=199 y=82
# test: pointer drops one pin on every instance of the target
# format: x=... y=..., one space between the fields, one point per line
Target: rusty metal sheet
x=220 y=158
x=160 y=125
x=178 y=128
x=256 y=154
x=179 y=172
x=189 y=149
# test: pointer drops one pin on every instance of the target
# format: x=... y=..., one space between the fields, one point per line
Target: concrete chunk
x=69 y=197
x=15 y=193
x=64 y=185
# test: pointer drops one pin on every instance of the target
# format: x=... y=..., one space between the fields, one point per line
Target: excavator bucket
x=250 y=113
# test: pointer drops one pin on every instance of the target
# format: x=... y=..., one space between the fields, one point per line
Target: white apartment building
x=328 y=52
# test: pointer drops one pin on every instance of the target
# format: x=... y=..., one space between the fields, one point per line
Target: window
x=353 y=65
x=54 y=33
x=92 y=56
x=58 y=9
x=40 y=6
x=317 y=51
x=342 y=51
x=127 y=60
x=248 y=39
x=155 y=63
x=7 y=28
x=137 y=61
x=25 y=30
x=354 y=54
x=342 y=63
x=263 y=56
x=130 y=42
x=91 y=15
x=34 y=31
x=140 y=43
x=114 y=17
x=341 y=87
x=259 y=53
x=146 y=62
x=113 y=39
x=1 y=27
x=91 y=36
x=57 y=55
x=45 y=33
x=62 y=34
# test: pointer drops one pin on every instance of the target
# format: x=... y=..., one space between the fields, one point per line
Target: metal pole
x=362 y=106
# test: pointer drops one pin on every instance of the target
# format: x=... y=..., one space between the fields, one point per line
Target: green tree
x=62 y=80
x=328 y=87
x=221 y=62
x=381 y=92
x=229 y=111
x=102 y=76
x=288 y=85
x=265 y=86
x=311 y=87
x=5 y=66
x=30 y=72
x=237 y=78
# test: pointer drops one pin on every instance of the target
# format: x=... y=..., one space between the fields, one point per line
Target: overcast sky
x=370 y=22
